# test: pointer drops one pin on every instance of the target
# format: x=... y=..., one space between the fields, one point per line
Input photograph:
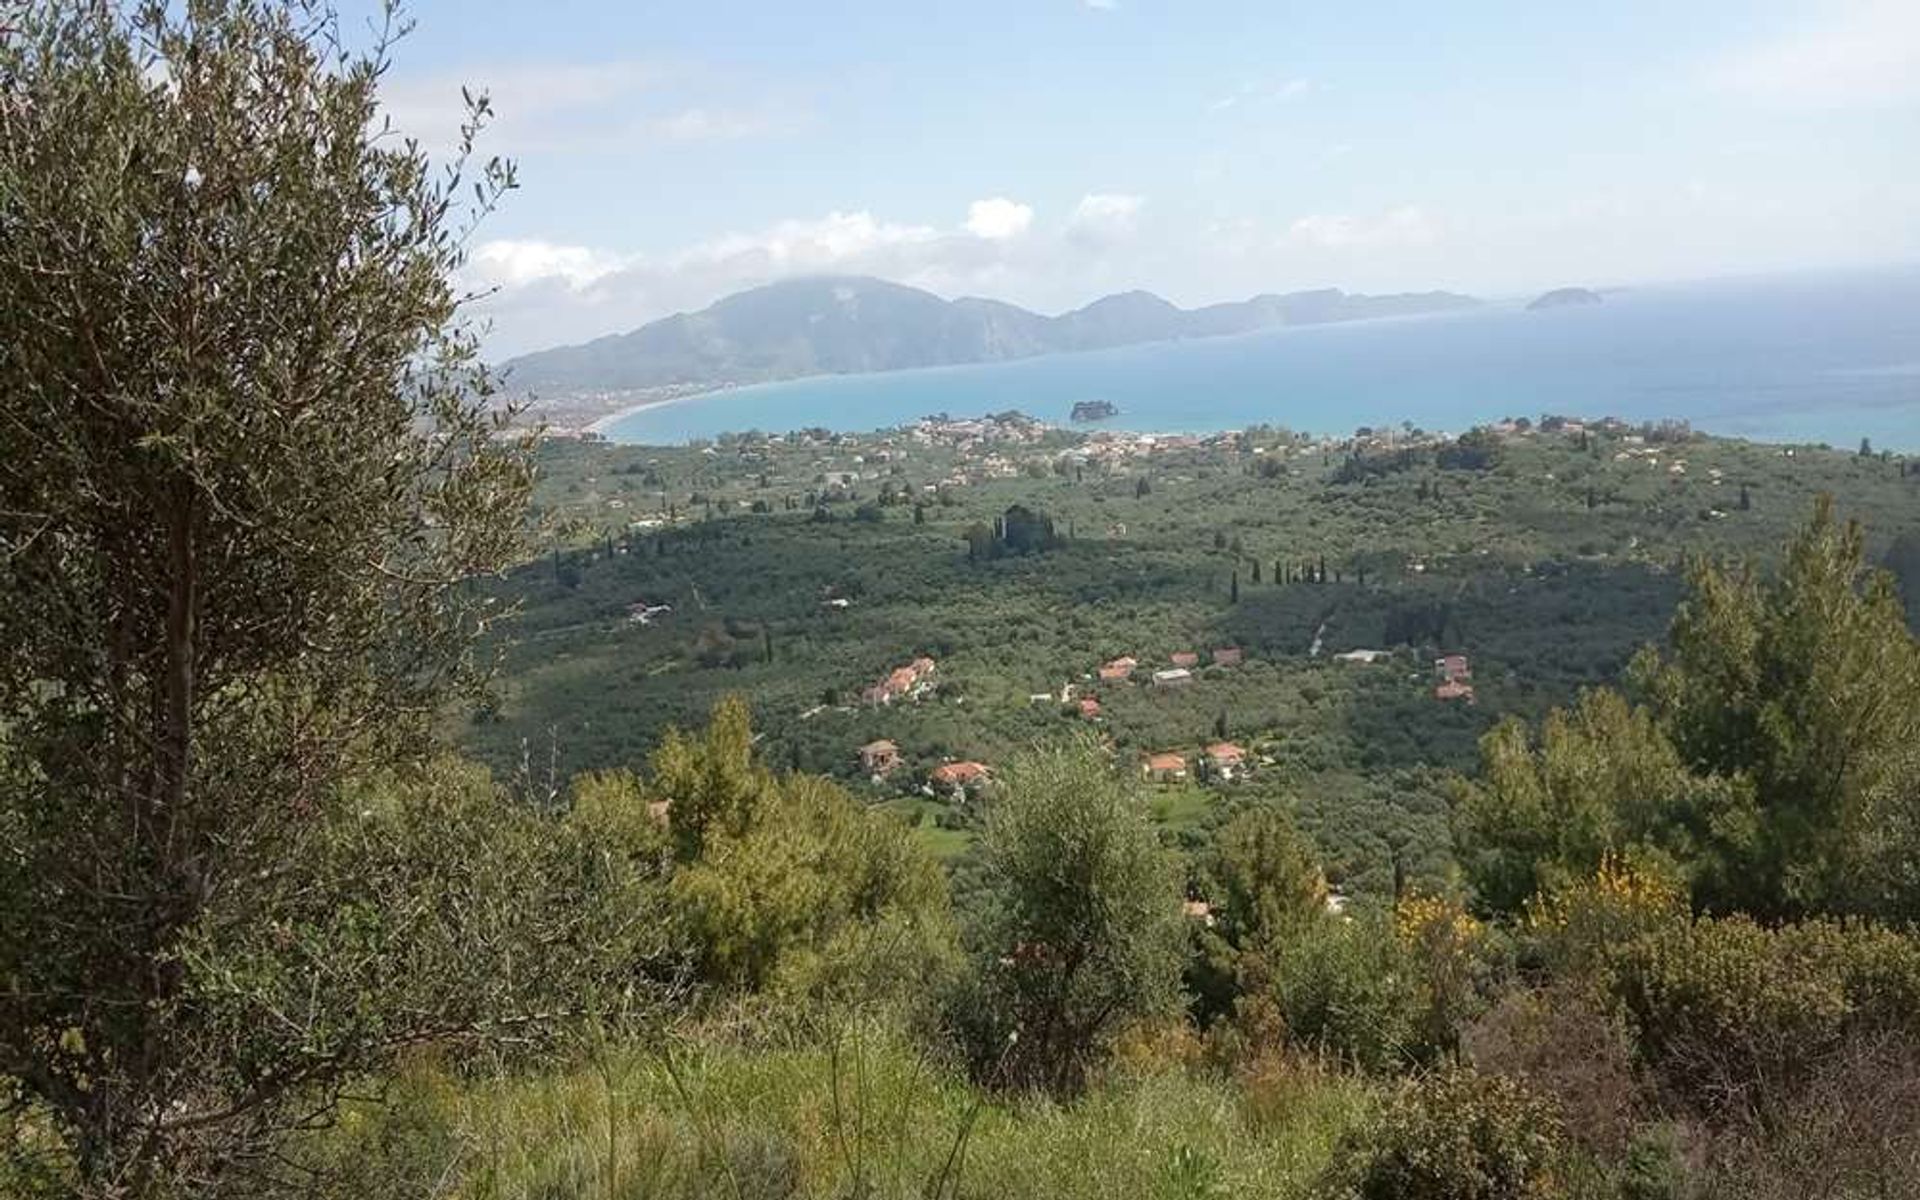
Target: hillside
x=1567 y=297
x=847 y=325
x=801 y=570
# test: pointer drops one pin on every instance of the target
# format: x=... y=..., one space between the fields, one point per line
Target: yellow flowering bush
x=1448 y=950
x=1573 y=923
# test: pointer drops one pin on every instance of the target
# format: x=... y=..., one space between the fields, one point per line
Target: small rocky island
x=1567 y=297
x=1094 y=410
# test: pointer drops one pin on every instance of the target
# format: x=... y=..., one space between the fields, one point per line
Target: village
x=1217 y=762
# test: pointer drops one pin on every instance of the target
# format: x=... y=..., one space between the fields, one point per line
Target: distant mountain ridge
x=854 y=324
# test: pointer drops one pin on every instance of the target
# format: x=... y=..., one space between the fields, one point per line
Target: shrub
x=1447 y=951
x=1728 y=1011
x=1457 y=1135
x=1571 y=926
x=1078 y=930
x=1343 y=988
x=1563 y=1041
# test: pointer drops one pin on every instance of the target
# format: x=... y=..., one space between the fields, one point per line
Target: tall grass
x=860 y=1115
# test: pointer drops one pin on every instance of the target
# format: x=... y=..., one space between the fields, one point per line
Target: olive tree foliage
x=1078 y=929
x=250 y=460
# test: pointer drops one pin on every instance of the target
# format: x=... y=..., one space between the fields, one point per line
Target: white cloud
x=546 y=293
x=580 y=108
x=1105 y=217
x=799 y=246
x=1406 y=226
x=1866 y=54
x=1101 y=5
x=711 y=125
x=998 y=218
x=510 y=263
x=1264 y=92
x=551 y=293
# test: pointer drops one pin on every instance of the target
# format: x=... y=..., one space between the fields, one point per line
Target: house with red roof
x=1165 y=768
x=1228 y=656
x=1226 y=758
x=957 y=777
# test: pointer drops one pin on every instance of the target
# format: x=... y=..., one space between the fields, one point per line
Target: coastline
x=599 y=424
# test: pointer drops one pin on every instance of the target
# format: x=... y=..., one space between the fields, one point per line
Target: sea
x=1826 y=358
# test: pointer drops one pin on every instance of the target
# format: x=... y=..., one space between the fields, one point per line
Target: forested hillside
x=801 y=569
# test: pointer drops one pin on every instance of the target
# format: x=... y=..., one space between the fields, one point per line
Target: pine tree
x=1233 y=589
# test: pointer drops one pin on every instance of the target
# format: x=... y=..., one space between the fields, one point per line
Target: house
x=878 y=758
x=658 y=810
x=1364 y=657
x=642 y=613
x=1184 y=658
x=1452 y=668
x=902 y=683
x=1089 y=708
x=1227 y=656
x=1197 y=910
x=959 y=776
x=1226 y=758
x=1163 y=768
x=1118 y=670
x=1453 y=689
x=1175 y=677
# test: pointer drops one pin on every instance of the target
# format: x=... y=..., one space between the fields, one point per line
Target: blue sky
x=1047 y=151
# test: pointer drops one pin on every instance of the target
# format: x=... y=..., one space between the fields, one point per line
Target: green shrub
x=1077 y=931
x=1456 y=1135
x=1727 y=1010
x=1346 y=989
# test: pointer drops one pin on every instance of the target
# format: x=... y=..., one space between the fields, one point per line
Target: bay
x=1828 y=358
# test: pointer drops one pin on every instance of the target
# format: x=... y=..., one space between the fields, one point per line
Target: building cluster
x=1225 y=761
x=1178 y=672
x=910 y=682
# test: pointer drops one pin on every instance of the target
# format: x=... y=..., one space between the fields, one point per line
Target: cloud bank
x=544 y=293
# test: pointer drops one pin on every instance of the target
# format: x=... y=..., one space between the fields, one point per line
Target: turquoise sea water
x=1830 y=358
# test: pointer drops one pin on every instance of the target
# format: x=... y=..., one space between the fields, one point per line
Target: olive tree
x=251 y=464
x=1079 y=928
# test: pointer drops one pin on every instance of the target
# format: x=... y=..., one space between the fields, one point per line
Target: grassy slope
x=720 y=1120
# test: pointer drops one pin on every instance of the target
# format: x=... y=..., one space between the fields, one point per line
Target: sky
x=1047 y=152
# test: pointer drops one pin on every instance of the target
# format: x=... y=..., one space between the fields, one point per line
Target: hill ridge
x=855 y=324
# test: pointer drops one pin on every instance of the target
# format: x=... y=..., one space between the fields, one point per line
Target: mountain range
x=853 y=324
